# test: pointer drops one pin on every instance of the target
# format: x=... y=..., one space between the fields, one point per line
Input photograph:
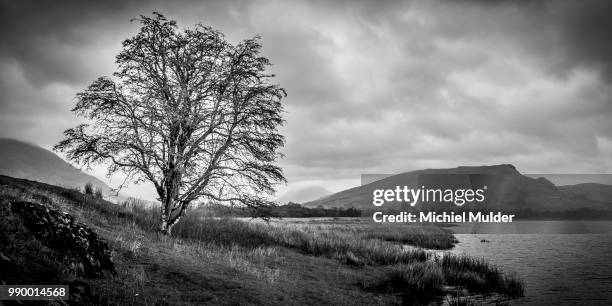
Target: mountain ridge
x=26 y=160
x=303 y=194
x=508 y=188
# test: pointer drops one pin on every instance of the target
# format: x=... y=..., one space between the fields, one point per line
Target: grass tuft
x=477 y=275
x=417 y=282
x=88 y=189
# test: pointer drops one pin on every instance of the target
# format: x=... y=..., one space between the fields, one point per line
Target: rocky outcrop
x=77 y=245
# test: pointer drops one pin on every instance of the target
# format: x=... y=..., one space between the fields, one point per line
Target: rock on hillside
x=79 y=247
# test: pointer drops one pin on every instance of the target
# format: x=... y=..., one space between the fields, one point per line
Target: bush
x=89 y=190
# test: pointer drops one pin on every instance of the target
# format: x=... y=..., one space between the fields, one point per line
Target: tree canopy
x=188 y=111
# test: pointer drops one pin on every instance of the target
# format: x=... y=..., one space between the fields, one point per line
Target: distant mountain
x=590 y=191
x=301 y=195
x=507 y=188
x=24 y=160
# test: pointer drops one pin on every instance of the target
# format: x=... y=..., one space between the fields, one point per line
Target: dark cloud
x=574 y=33
x=65 y=41
x=47 y=38
x=586 y=30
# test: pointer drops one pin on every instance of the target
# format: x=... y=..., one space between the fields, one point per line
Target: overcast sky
x=373 y=86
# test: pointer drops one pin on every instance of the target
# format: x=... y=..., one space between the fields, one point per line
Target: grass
x=345 y=245
x=418 y=282
x=423 y=236
x=430 y=237
x=88 y=188
x=477 y=275
x=241 y=261
x=422 y=282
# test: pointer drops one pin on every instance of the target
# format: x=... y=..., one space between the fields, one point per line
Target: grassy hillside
x=232 y=261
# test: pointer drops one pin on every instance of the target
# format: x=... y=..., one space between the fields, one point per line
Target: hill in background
x=305 y=194
x=590 y=191
x=507 y=189
x=28 y=161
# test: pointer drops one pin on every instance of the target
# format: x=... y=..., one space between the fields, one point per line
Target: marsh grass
x=417 y=282
x=430 y=237
x=477 y=275
x=460 y=301
x=421 y=236
x=347 y=246
x=426 y=281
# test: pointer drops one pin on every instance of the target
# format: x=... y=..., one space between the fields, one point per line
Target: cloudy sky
x=373 y=86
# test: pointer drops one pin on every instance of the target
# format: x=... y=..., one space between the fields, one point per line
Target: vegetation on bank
x=221 y=260
x=343 y=243
x=289 y=210
x=420 y=282
x=478 y=276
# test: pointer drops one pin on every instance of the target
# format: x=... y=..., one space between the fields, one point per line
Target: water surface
x=561 y=262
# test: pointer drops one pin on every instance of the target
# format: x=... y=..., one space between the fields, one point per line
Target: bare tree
x=188 y=111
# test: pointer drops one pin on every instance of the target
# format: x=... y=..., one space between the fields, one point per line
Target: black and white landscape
x=239 y=152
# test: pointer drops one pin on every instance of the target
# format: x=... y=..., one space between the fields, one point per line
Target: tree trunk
x=165 y=226
x=171 y=190
x=170 y=217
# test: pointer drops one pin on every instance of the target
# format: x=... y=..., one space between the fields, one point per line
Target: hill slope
x=23 y=160
x=507 y=188
x=305 y=194
x=590 y=191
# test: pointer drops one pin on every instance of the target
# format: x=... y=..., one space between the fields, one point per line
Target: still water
x=561 y=262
